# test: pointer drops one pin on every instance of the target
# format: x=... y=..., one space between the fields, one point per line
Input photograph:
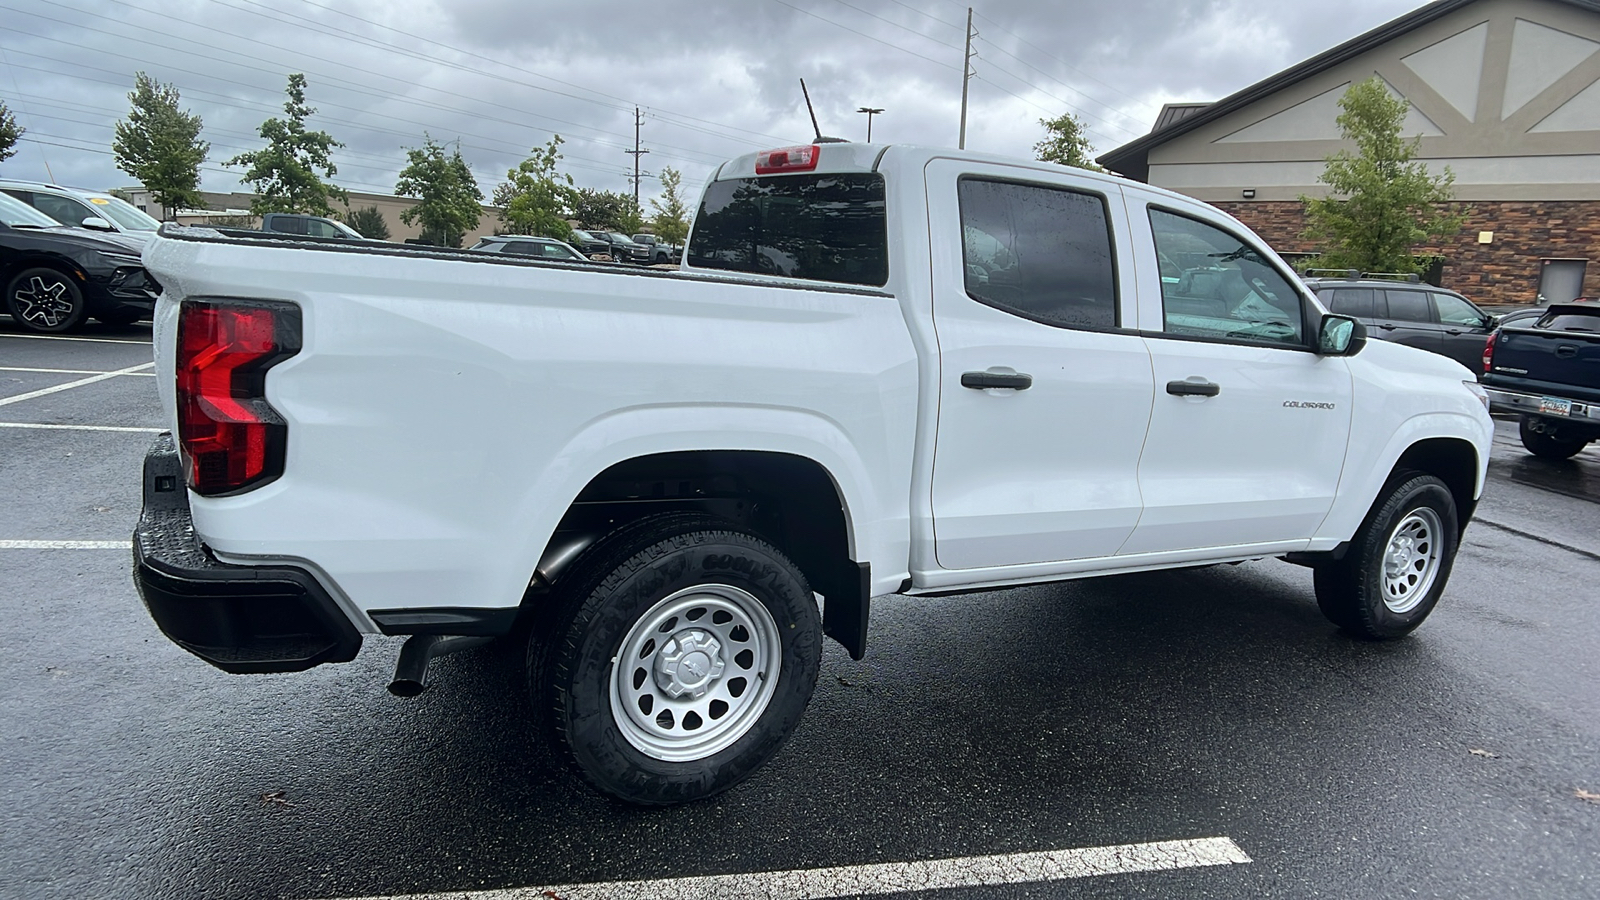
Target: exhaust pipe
x=411 y=671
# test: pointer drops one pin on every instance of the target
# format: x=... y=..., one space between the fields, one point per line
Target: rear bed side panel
x=443 y=414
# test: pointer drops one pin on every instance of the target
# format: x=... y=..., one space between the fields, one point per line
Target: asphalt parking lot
x=1199 y=733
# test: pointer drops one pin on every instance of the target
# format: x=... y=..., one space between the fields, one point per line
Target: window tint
x=62 y=209
x=1570 y=321
x=289 y=225
x=1409 y=306
x=556 y=251
x=519 y=248
x=1040 y=252
x=1358 y=302
x=819 y=227
x=1214 y=285
x=319 y=228
x=1455 y=311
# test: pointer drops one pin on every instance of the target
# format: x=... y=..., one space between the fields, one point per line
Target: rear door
x=1044 y=383
x=1249 y=426
x=1407 y=317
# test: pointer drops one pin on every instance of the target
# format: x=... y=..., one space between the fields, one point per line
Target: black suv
x=54 y=277
x=1412 y=313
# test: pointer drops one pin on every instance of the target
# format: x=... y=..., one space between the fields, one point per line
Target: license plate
x=1555 y=405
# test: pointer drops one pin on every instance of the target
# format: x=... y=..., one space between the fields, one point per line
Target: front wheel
x=45 y=301
x=684 y=655
x=1547 y=446
x=1396 y=566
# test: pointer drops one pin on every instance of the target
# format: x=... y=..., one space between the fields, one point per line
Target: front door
x=1408 y=318
x=1044 y=385
x=1248 y=431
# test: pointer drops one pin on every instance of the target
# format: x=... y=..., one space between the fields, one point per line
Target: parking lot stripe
x=66 y=545
x=57 y=337
x=69 y=371
x=889 y=878
x=72 y=384
x=42 y=427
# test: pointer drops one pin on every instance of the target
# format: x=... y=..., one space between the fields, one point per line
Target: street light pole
x=870 y=113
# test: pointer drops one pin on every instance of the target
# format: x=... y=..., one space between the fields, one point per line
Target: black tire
x=1547 y=446
x=45 y=300
x=120 y=317
x=1367 y=596
x=617 y=588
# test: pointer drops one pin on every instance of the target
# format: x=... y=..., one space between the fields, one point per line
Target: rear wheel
x=45 y=300
x=681 y=659
x=1547 y=446
x=1396 y=566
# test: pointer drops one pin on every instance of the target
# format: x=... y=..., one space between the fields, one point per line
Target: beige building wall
x=1506 y=93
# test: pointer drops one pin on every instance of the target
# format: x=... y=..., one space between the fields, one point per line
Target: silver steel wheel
x=1411 y=560
x=42 y=303
x=695 y=672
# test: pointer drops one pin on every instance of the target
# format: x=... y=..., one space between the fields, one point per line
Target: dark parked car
x=1411 y=313
x=1548 y=372
x=532 y=247
x=660 y=251
x=309 y=226
x=618 y=246
x=54 y=276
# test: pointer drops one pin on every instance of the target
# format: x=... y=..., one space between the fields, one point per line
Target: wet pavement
x=1210 y=703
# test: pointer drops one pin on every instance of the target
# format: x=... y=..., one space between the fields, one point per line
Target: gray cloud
x=715 y=78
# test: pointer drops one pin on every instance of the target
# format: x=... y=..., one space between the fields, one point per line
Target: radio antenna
x=814 y=126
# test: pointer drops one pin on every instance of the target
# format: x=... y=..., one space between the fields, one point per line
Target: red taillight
x=1488 y=351
x=231 y=438
x=789 y=159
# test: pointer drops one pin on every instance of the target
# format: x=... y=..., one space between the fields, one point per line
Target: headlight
x=1478 y=391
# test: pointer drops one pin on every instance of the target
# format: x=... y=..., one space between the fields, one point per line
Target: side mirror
x=98 y=224
x=1340 y=336
x=1490 y=323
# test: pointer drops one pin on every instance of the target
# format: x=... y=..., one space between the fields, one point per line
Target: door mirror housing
x=98 y=224
x=1340 y=336
x=1490 y=323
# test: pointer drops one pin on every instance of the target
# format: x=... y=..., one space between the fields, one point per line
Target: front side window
x=1409 y=306
x=123 y=214
x=1042 y=253
x=1214 y=285
x=816 y=227
x=1455 y=311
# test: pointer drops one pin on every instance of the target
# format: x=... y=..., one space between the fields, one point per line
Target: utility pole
x=966 y=76
x=870 y=113
x=636 y=152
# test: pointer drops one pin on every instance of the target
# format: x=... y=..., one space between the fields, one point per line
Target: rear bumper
x=1502 y=400
x=241 y=619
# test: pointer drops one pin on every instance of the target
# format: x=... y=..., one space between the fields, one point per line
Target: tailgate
x=1561 y=356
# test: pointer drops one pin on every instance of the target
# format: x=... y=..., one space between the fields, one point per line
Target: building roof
x=1133 y=158
x=1173 y=113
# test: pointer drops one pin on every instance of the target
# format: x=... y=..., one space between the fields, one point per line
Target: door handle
x=1452 y=331
x=1385 y=326
x=979 y=381
x=1566 y=351
x=1193 y=388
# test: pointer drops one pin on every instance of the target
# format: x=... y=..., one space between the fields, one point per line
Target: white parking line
x=61 y=337
x=41 y=427
x=889 y=878
x=66 y=545
x=69 y=371
x=7 y=401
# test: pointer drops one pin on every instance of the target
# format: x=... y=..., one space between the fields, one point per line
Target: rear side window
x=1409 y=306
x=1359 y=302
x=816 y=227
x=1043 y=253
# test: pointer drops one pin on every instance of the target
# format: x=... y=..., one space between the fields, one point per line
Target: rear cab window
x=816 y=227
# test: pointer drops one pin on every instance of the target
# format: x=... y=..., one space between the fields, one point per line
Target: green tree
x=1065 y=143
x=159 y=144
x=534 y=198
x=10 y=133
x=369 y=222
x=285 y=171
x=606 y=210
x=671 y=219
x=1381 y=201
x=450 y=201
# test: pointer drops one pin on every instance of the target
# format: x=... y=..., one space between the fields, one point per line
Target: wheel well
x=10 y=271
x=1451 y=460
x=788 y=500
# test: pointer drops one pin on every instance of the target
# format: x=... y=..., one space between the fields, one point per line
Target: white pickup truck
x=881 y=370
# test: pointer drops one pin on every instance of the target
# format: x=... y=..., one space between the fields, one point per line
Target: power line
x=863 y=34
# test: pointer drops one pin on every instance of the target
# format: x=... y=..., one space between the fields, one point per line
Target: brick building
x=1504 y=92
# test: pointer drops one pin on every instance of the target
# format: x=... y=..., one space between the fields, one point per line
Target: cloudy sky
x=713 y=78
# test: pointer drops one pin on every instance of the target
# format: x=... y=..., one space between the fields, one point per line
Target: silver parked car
x=94 y=210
